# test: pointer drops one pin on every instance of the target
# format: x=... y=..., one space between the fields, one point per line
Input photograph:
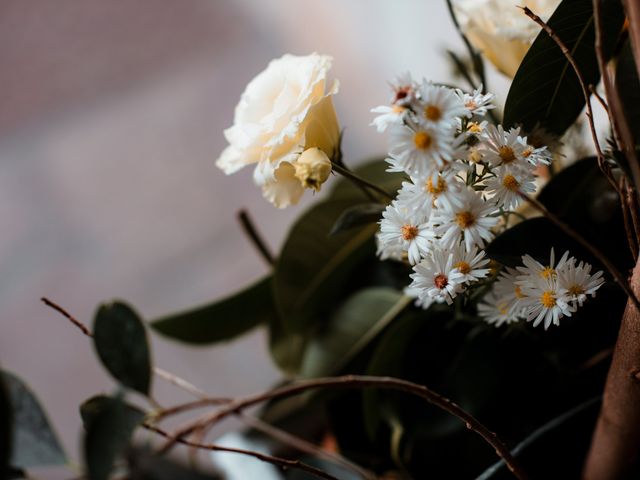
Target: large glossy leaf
x=146 y=465
x=121 y=342
x=312 y=271
x=358 y=216
x=109 y=426
x=34 y=443
x=223 y=320
x=354 y=325
x=546 y=89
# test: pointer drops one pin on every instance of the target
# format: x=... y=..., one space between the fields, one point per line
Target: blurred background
x=111 y=120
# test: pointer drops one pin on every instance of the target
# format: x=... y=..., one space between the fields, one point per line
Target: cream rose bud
x=500 y=30
x=313 y=168
x=284 y=111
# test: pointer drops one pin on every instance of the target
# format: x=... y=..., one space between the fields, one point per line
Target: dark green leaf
x=546 y=90
x=110 y=423
x=34 y=442
x=374 y=172
x=357 y=216
x=354 y=325
x=312 y=270
x=121 y=342
x=93 y=408
x=223 y=320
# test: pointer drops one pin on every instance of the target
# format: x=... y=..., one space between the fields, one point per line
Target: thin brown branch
x=345 y=172
x=611 y=268
x=601 y=100
x=304 y=446
x=83 y=328
x=628 y=223
x=258 y=242
x=283 y=463
x=606 y=169
x=357 y=382
x=632 y=202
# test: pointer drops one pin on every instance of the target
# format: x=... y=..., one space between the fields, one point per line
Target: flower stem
x=345 y=172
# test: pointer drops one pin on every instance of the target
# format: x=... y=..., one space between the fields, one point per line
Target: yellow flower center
x=474 y=155
x=576 y=290
x=547 y=272
x=548 y=299
x=518 y=292
x=409 y=232
x=465 y=219
x=441 y=281
x=474 y=127
x=438 y=188
x=463 y=267
x=506 y=154
x=510 y=183
x=432 y=113
x=471 y=105
x=502 y=308
x=527 y=152
x=422 y=140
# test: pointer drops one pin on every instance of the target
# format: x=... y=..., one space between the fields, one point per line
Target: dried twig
x=356 y=382
x=256 y=239
x=345 y=172
x=628 y=222
x=278 y=461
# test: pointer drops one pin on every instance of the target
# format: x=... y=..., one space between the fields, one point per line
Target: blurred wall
x=111 y=120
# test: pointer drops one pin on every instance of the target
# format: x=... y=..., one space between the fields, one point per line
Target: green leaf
x=94 y=406
x=375 y=172
x=357 y=216
x=121 y=342
x=354 y=325
x=223 y=320
x=312 y=271
x=34 y=443
x=110 y=424
x=546 y=89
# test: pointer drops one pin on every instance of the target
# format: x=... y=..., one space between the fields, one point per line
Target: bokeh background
x=111 y=120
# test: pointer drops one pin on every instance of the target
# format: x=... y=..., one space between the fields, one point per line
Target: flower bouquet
x=465 y=306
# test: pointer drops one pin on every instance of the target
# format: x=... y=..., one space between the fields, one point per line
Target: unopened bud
x=312 y=168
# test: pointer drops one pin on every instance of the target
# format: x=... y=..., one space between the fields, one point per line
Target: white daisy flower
x=508 y=290
x=435 y=279
x=476 y=103
x=579 y=282
x=469 y=263
x=495 y=310
x=502 y=148
x=469 y=219
x=422 y=151
x=389 y=251
x=407 y=229
x=505 y=188
x=423 y=193
x=439 y=105
x=533 y=269
x=545 y=302
x=536 y=156
x=404 y=90
x=388 y=115
x=421 y=302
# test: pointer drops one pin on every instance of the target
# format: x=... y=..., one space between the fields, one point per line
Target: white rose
x=284 y=111
x=500 y=30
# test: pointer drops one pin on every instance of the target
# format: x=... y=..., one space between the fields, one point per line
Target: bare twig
x=606 y=169
x=278 y=461
x=256 y=239
x=83 y=328
x=632 y=202
x=345 y=172
x=601 y=100
x=628 y=223
x=303 y=445
x=617 y=276
x=356 y=382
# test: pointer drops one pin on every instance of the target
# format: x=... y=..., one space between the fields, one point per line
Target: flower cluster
x=540 y=293
x=464 y=174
